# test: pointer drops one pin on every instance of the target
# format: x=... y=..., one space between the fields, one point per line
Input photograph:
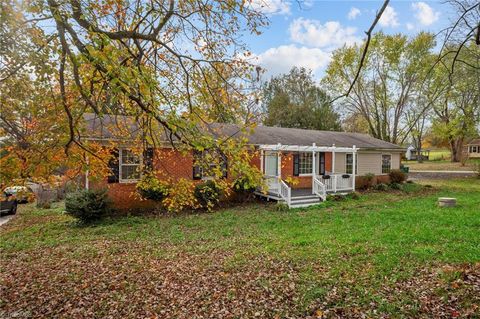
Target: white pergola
x=314 y=149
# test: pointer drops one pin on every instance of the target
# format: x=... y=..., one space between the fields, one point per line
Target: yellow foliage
x=180 y=196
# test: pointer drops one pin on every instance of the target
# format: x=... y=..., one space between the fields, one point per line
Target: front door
x=271 y=164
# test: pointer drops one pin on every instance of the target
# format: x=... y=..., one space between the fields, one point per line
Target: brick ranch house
x=321 y=162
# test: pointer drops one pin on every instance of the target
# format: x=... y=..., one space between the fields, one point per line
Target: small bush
x=367 y=180
x=207 y=194
x=397 y=176
x=353 y=195
x=150 y=187
x=396 y=186
x=281 y=207
x=243 y=185
x=335 y=197
x=381 y=187
x=88 y=205
x=180 y=196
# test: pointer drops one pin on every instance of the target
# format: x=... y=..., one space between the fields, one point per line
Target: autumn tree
x=295 y=100
x=457 y=114
x=33 y=137
x=175 y=67
x=388 y=85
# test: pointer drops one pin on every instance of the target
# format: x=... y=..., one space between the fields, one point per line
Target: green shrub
x=335 y=197
x=381 y=187
x=396 y=186
x=243 y=185
x=150 y=187
x=353 y=195
x=397 y=176
x=367 y=180
x=87 y=205
x=281 y=207
x=207 y=194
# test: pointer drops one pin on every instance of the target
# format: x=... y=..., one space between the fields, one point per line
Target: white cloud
x=271 y=7
x=425 y=14
x=329 y=35
x=353 y=13
x=389 y=18
x=410 y=26
x=281 y=59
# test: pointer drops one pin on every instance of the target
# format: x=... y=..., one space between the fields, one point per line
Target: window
x=129 y=165
x=349 y=164
x=386 y=164
x=305 y=164
x=271 y=164
x=207 y=163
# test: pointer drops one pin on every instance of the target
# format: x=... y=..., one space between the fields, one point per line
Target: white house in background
x=473 y=148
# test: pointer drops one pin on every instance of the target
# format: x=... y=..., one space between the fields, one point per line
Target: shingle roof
x=474 y=142
x=295 y=136
x=106 y=128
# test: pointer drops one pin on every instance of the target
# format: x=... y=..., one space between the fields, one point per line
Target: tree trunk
x=456 y=150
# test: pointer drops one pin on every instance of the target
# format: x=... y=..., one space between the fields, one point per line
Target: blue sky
x=306 y=34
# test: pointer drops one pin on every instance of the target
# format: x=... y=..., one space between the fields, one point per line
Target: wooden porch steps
x=296 y=201
x=304 y=201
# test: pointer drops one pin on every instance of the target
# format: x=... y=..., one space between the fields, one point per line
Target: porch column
x=279 y=160
x=354 y=169
x=261 y=160
x=314 y=171
x=333 y=159
x=333 y=176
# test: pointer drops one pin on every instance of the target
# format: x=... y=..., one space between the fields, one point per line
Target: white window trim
x=120 y=164
x=354 y=165
x=311 y=157
x=381 y=163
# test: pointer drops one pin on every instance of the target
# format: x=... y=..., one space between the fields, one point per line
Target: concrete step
x=305 y=202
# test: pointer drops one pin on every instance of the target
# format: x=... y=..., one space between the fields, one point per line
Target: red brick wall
x=168 y=162
x=173 y=164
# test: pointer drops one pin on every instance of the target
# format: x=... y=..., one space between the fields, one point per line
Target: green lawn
x=385 y=254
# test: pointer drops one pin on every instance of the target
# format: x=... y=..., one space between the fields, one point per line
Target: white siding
x=395 y=160
x=339 y=163
x=371 y=162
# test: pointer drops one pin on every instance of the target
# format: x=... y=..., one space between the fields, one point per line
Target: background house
x=473 y=148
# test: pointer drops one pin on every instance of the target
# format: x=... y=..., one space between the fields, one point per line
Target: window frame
x=121 y=164
x=203 y=175
x=300 y=159
x=271 y=154
x=390 y=162
x=349 y=164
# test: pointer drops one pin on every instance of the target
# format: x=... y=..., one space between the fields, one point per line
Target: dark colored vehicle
x=8 y=205
x=21 y=193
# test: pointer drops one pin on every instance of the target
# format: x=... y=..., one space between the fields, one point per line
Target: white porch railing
x=285 y=192
x=272 y=184
x=337 y=182
x=319 y=189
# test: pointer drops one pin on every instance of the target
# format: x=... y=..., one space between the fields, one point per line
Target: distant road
x=449 y=172
x=5 y=219
x=414 y=174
